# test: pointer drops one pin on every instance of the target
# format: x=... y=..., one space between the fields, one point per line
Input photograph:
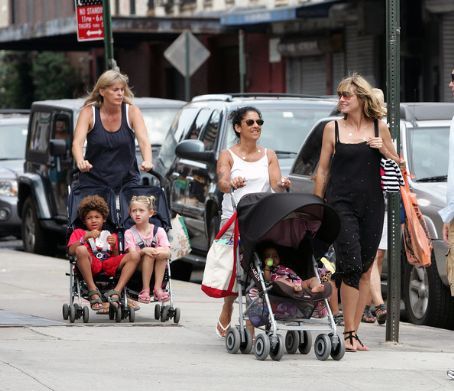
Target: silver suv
x=424 y=132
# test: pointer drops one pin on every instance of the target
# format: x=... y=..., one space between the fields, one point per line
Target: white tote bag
x=180 y=245
x=219 y=276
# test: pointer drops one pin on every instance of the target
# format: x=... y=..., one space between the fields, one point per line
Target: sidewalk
x=40 y=351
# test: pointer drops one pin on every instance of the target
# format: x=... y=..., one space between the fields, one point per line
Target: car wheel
x=33 y=235
x=427 y=300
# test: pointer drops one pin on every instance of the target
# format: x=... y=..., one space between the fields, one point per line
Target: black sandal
x=380 y=313
x=365 y=348
x=350 y=336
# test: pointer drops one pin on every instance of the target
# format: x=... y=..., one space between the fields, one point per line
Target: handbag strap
x=226 y=226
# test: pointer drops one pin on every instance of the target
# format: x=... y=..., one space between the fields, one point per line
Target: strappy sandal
x=339 y=319
x=350 y=336
x=363 y=348
x=381 y=313
x=112 y=296
x=95 y=303
x=144 y=296
x=367 y=316
x=160 y=295
x=221 y=334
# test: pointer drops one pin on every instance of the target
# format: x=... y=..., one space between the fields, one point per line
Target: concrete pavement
x=40 y=351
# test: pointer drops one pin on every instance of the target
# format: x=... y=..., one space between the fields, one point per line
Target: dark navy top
x=112 y=155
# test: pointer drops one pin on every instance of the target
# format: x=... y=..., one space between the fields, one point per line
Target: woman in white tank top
x=245 y=168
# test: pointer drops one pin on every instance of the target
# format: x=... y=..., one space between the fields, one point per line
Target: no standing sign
x=89 y=16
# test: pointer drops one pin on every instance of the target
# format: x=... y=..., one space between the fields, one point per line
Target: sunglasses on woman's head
x=345 y=94
x=452 y=77
x=250 y=122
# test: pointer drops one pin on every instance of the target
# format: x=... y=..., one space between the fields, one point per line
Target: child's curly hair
x=93 y=202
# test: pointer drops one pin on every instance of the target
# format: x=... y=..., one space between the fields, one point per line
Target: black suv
x=48 y=167
x=201 y=130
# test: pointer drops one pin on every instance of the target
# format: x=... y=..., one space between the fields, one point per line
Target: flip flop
x=224 y=329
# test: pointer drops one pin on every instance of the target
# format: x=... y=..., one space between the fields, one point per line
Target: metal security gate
x=447 y=55
x=306 y=75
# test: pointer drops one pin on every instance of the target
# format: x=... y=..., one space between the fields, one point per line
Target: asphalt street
x=41 y=351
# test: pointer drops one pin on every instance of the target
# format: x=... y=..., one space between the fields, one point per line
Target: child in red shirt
x=96 y=250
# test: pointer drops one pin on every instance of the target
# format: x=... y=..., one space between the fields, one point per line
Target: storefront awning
x=312 y=9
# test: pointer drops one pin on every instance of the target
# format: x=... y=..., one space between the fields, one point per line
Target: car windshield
x=12 y=141
x=286 y=127
x=428 y=153
x=158 y=121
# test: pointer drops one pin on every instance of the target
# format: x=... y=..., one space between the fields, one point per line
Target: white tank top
x=257 y=180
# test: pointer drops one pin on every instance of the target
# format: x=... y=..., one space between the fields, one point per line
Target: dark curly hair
x=93 y=202
x=237 y=116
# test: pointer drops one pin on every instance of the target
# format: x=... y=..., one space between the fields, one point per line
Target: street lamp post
x=393 y=99
x=109 y=60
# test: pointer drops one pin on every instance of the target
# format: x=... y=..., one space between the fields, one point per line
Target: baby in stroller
x=284 y=278
x=96 y=251
x=152 y=245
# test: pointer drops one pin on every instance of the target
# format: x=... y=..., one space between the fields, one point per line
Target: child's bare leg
x=160 y=268
x=83 y=262
x=147 y=265
x=298 y=286
x=127 y=266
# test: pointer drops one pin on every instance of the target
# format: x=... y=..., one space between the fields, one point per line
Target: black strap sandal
x=364 y=348
x=350 y=336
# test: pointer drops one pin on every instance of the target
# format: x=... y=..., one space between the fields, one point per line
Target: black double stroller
x=118 y=221
x=287 y=220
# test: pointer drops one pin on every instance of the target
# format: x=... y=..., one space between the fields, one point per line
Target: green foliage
x=26 y=77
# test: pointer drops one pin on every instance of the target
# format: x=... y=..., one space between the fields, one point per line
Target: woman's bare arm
x=223 y=168
x=140 y=130
x=323 y=169
x=83 y=125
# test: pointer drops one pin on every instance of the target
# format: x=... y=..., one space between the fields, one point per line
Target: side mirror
x=194 y=150
x=57 y=147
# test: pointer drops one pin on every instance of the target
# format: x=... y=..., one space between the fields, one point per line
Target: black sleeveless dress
x=354 y=191
x=112 y=155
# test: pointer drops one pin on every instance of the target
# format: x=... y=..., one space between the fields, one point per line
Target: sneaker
x=339 y=319
x=450 y=374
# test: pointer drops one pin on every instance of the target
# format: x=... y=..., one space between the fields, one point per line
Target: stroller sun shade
x=286 y=217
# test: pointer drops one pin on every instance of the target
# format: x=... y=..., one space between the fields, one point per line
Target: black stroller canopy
x=258 y=213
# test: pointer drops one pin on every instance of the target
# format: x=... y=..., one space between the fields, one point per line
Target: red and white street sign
x=89 y=16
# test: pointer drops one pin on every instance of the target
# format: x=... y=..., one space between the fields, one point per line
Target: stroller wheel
x=232 y=340
x=118 y=314
x=111 y=312
x=292 y=341
x=176 y=317
x=246 y=345
x=322 y=347
x=277 y=351
x=85 y=314
x=72 y=313
x=164 y=313
x=337 y=347
x=132 y=315
x=262 y=347
x=305 y=342
x=157 y=311
x=65 y=311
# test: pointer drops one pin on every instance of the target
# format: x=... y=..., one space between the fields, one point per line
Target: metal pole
x=187 y=77
x=393 y=99
x=242 y=59
x=109 y=60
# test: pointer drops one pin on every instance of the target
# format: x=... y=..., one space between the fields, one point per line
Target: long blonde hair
x=106 y=80
x=372 y=108
x=149 y=201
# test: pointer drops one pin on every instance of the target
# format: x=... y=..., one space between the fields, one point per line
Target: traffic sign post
x=89 y=16
x=186 y=54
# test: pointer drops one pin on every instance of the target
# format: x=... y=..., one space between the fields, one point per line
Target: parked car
x=202 y=129
x=43 y=187
x=424 y=134
x=13 y=134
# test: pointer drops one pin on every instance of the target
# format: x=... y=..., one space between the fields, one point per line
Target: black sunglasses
x=452 y=77
x=250 y=122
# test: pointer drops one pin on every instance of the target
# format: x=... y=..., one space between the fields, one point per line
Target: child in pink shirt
x=151 y=243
